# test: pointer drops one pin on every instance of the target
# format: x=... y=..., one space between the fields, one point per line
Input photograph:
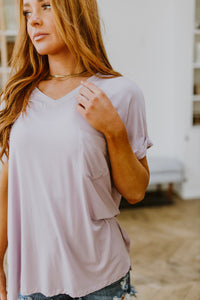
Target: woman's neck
x=63 y=64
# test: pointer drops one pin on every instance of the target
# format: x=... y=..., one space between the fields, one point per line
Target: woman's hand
x=97 y=109
x=3 y=291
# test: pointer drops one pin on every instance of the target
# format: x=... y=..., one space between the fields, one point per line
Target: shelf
x=196 y=97
x=10 y=32
x=196 y=65
x=196 y=70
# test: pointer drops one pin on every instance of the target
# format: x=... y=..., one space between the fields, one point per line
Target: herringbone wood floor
x=165 y=250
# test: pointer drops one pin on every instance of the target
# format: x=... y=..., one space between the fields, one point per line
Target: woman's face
x=41 y=27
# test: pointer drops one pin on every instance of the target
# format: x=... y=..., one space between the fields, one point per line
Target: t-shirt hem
x=81 y=293
x=141 y=152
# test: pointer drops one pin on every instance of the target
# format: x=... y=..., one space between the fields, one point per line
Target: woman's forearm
x=3 y=212
x=130 y=176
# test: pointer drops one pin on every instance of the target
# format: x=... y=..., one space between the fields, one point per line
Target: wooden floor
x=165 y=250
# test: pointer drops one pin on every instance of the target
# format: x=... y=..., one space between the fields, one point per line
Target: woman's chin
x=51 y=49
x=42 y=51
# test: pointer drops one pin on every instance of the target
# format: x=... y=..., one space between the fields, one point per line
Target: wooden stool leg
x=159 y=187
x=170 y=192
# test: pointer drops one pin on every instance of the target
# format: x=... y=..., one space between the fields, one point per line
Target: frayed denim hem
x=127 y=291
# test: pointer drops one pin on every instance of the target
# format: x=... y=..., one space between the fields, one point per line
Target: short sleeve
x=136 y=124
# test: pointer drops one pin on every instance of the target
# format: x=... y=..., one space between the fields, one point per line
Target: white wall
x=151 y=42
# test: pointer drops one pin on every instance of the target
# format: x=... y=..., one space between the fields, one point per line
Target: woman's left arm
x=130 y=175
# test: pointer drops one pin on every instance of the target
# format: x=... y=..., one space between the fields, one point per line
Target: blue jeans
x=118 y=290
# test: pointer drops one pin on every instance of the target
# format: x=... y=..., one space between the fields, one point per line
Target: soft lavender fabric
x=63 y=235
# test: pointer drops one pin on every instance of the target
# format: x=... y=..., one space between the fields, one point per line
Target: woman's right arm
x=3 y=227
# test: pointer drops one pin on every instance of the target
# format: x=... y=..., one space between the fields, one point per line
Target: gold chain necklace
x=66 y=76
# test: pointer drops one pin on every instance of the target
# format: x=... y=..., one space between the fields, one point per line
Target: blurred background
x=157 y=44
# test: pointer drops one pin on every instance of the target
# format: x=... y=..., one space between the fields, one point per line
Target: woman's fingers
x=96 y=107
x=91 y=87
x=82 y=101
x=85 y=92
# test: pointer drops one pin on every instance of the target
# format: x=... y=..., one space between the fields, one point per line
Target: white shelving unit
x=191 y=159
x=196 y=98
x=8 y=32
x=196 y=66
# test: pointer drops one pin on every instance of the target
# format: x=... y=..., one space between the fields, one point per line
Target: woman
x=76 y=135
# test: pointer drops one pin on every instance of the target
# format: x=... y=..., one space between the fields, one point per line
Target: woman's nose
x=35 y=19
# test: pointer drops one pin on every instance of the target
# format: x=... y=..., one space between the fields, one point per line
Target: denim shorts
x=120 y=289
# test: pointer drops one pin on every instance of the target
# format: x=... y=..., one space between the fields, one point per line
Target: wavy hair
x=78 y=24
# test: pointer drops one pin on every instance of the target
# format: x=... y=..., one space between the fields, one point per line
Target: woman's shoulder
x=121 y=85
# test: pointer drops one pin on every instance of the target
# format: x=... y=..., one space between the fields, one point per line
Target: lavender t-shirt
x=63 y=235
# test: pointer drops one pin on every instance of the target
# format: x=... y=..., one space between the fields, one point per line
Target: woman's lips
x=39 y=36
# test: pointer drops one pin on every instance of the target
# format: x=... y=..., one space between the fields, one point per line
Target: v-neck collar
x=69 y=95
